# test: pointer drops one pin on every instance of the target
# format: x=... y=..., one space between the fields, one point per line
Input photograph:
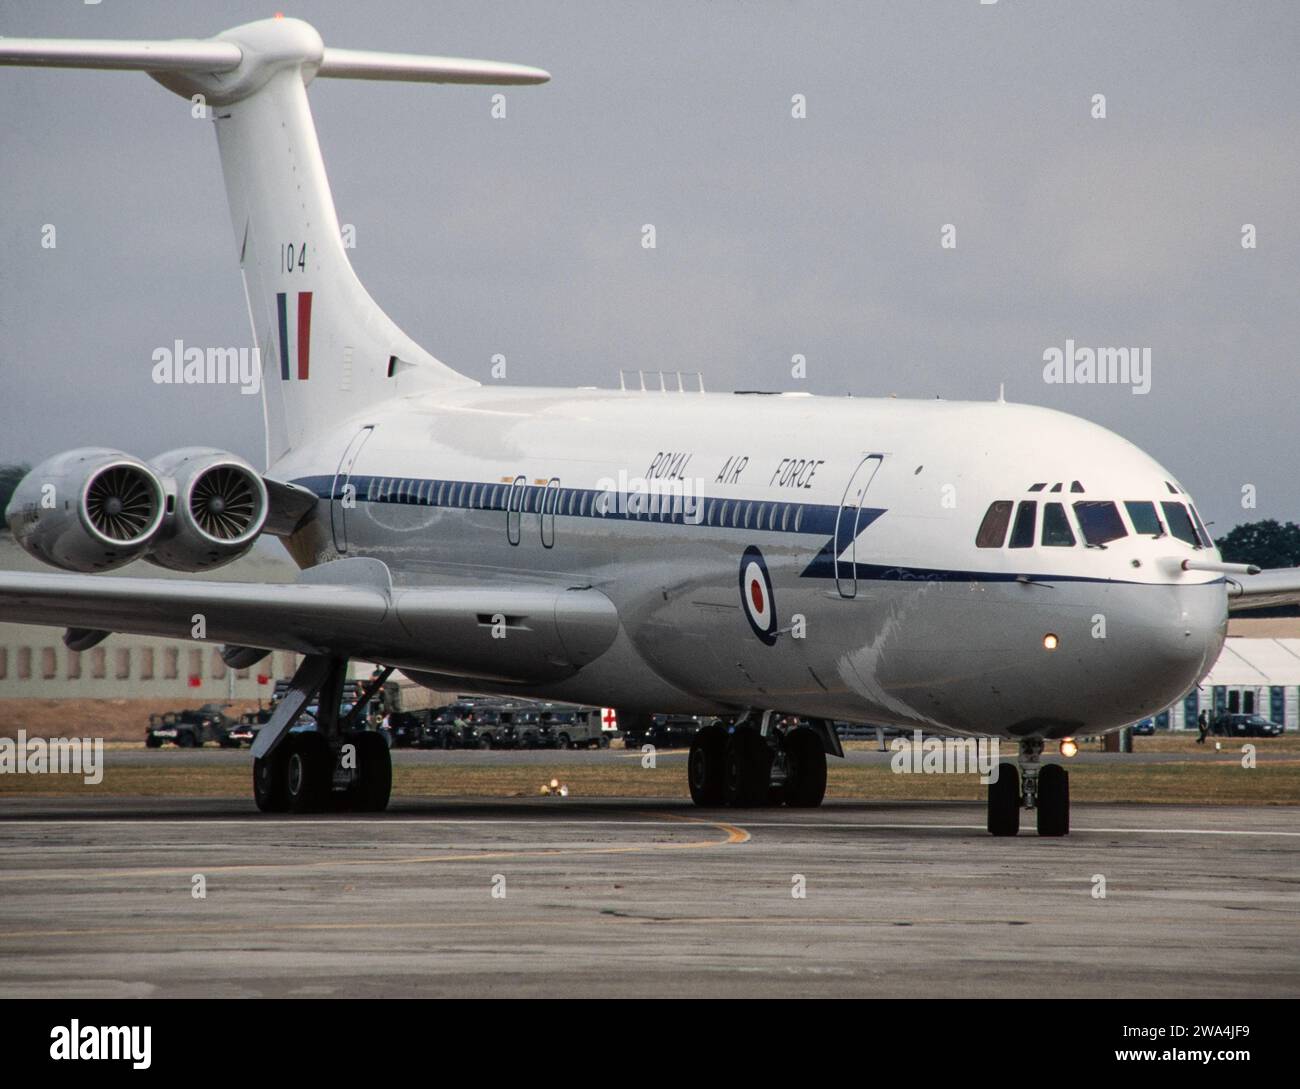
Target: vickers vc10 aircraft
x=983 y=569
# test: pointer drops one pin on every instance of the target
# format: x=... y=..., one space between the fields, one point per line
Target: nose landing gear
x=1045 y=789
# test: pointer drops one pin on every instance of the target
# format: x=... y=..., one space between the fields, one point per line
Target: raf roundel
x=756 y=595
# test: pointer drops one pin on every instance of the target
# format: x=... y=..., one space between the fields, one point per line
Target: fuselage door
x=514 y=508
x=846 y=524
x=550 y=497
x=343 y=495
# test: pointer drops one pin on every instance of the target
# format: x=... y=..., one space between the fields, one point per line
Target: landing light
x=1050 y=642
x=1069 y=747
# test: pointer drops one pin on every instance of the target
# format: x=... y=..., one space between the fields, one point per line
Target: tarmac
x=555 y=898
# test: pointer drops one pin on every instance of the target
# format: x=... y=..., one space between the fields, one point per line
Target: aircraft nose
x=1182 y=638
x=1202 y=625
x=1163 y=640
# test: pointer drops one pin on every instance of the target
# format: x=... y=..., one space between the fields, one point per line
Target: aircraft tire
x=370 y=791
x=269 y=782
x=1004 y=801
x=1053 y=801
x=805 y=786
x=704 y=766
x=746 y=769
x=308 y=772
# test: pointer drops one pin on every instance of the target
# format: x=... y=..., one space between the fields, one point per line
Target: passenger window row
x=583 y=503
x=1099 y=520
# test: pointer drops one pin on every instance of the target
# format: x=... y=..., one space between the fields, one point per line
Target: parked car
x=351 y=692
x=674 y=731
x=1145 y=728
x=1246 y=726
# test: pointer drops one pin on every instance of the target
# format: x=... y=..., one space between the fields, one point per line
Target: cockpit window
x=1180 y=524
x=1099 y=520
x=1022 y=534
x=993 y=530
x=1056 y=527
x=1206 y=540
x=1144 y=517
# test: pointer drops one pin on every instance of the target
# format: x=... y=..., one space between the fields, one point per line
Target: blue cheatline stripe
x=284 y=335
x=818 y=519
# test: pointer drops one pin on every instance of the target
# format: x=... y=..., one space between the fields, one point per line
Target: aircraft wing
x=1276 y=586
x=514 y=634
x=287 y=506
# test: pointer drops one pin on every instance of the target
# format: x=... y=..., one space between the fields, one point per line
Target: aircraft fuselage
x=813 y=555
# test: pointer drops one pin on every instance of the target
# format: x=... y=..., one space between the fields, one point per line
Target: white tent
x=1260 y=675
x=1256 y=662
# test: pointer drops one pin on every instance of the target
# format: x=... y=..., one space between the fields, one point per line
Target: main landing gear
x=336 y=766
x=1045 y=789
x=755 y=763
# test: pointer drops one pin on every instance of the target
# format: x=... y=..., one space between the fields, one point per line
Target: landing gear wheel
x=370 y=790
x=308 y=772
x=1053 y=801
x=704 y=765
x=805 y=784
x=1004 y=801
x=746 y=769
x=269 y=782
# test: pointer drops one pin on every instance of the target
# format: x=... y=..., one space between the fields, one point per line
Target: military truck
x=244 y=732
x=446 y=727
x=490 y=726
x=190 y=729
x=404 y=729
x=563 y=726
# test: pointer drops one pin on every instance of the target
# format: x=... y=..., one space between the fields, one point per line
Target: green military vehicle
x=191 y=729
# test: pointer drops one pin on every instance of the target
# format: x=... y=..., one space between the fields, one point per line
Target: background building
x=128 y=676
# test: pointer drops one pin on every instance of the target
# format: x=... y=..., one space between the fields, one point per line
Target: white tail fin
x=327 y=349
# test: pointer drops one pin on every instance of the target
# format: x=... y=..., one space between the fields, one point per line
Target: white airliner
x=972 y=568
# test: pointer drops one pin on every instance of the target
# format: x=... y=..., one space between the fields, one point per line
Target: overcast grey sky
x=776 y=236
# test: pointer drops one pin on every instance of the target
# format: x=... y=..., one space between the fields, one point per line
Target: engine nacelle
x=216 y=507
x=91 y=509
